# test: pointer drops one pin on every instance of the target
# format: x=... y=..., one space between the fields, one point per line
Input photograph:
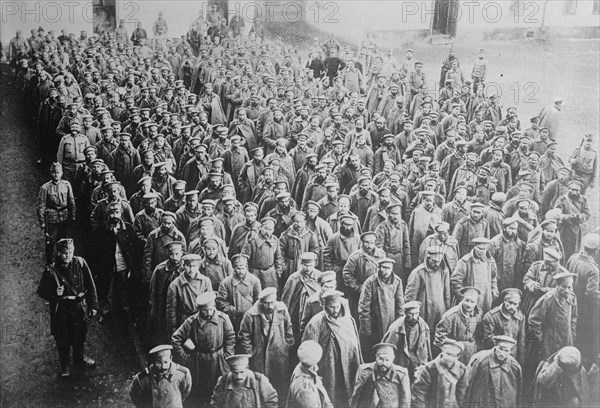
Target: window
x=570 y=7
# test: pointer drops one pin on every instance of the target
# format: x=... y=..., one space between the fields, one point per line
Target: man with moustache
x=155 y=251
x=456 y=209
x=462 y=323
x=548 y=238
x=316 y=187
x=340 y=246
x=507 y=250
x=244 y=230
x=380 y=303
x=264 y=255
x=163 y=383
x=381 y=384
x=555 y=188
x=335 y=330
x=241 y=387
x=148 y=219
x=377 y=213
x=392 y=237
x=495 y=376
x=177 y=198
x=477 y=269
x=469 y=228
x=266 y=334
x=506 y=319
x=423 y=220
x=444 y=242
x=319 y=227
x=499 y=170
x=443 y=381
x=203 y=342
x=575 y=212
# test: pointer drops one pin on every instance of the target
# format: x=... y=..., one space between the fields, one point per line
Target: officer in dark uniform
x=67 y=285
x=161 y=384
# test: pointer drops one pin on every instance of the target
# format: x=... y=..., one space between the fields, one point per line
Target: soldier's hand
x=60 y=290
x=92 y=312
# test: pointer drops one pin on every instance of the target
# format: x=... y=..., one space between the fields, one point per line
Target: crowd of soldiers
x=313 y=230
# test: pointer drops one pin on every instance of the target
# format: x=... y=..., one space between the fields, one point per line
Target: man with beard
x=584 y=162
x=499 y=170
x=349 y=173
x=250 y=173
x=423 y=220
x=99 y=215
x=495 y=376
x=188 y=212
x=477 y=269
x=204 y=340
x=575 y=212
x=393 y=239
x=587 y=292
x=539 y=278
x=55 y=209
x=282 y=213
x=68 y=286
x=506 y=320
x=443 y=381
x=119 y=259
x=343 y=209
x=550 y=164
x=552 y=322
x=482 y=189
x=380 y=303
x=316 y=188
x=177 y=198
x=329 y=203
x=555 y=189
x=377 y=213
x=148 y=219
x=155 y=251
x=399 y=191
x=463 y=324
x=444 y=242
x=293 y=242
x=465 y=174
x=453 y=162
x=238 y=291
x=243 y=231
x=214 y=264
x=162 y=181
x=213 y=190
x=276 y=129
x=243 y=387
x=387 y=151
x=507 y=250
x=381 y=383
x=266 y=334
x=335 y=330
x=161 y=383
x=456 y=209
x=303 y=176
x=429 y=283
x=264 y=255
x=469 y=228
x=548 y=238
x=123 y=160
x=264 y=186
x=162 y=276
x=341 y=245
x=362 y=199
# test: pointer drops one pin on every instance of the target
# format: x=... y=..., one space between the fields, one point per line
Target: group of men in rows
x=324 y=236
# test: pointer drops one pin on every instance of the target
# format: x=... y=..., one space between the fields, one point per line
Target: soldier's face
x=175 y=253
x=343 y=206
x=167 y=223
x=150 y=204
x=333 y=308
x=66 y=255
x=565 y=287
x=240 y=268
x=511 y=305
x=162 y=362
x=56 y=174
x=307 y=266
x=549 y=233
x=395 y=215
x=369 y=244
x=207 y=311
x=502 y=351
x=384 y=360
x=211 y=251
x=412 y=315
x=191 y=269
x=267 y=304
x=476 y=214
x=511 y=231
x=267 y=229
x=469 y=304
x=239 y=374
x=449 y=356
x=386 y=270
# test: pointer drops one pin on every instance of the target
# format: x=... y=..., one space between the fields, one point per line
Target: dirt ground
x=567 y=68
x=29 y=362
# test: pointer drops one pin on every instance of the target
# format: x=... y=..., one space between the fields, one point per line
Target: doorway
x=445 y=18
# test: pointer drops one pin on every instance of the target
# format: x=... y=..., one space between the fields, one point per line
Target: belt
x=210 y=351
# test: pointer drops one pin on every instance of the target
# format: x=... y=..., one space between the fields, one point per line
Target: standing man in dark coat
x=411 y=336
x=266 y=334
x=241 y=387
x=443 y=381
x=164 y=273
x=67 y=285
x=264 y=256
x=161 y=384
x=575 y=212
x=379 y=305
x=507 y=250
x=506 y=320
x=392 y=237
x=471 y=227
x=335 y=330
x=202 y=343
x=381 y=384
x=495 y=376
